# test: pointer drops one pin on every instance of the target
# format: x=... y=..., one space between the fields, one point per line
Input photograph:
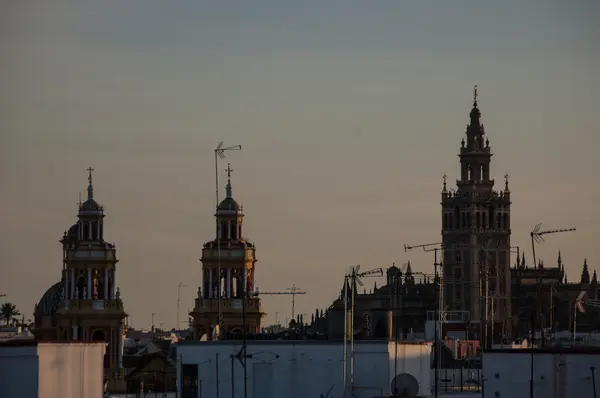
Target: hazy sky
x=348 y=112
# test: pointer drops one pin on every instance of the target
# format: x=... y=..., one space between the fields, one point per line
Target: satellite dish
x=405 y=385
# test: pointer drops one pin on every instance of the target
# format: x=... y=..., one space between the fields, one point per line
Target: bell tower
x=476 y=236
x=91 y=308
x=228 y=270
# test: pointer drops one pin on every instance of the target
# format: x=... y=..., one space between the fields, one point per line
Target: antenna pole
x=219 y=153
x=345 y=333
x=218 y=244
x=353 y=292
x=177 y=323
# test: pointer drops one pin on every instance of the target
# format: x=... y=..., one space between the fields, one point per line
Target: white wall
x=556 y=374
x=304 y=368
x=18 y=372
x=48 y=370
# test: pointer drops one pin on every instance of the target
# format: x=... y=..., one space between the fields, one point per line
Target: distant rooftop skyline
x=349 y=115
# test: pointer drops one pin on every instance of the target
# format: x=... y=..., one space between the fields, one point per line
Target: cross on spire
x=475 y=95
x=228 y=186
x=90 y=187
x=228 y=170
x=89 y=170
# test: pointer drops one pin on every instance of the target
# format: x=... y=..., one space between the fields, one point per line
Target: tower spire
x=90 y=188
x=475 y=95
x=228 y=186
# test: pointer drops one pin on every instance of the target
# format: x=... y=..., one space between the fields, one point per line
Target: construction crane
x=537 y=237
x=355 y=276
x=290 y=290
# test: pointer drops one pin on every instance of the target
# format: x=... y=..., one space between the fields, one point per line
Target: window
x=481 y=172
x=469 y=173
x=478 y=219
x=223 y=231
x=233 y=227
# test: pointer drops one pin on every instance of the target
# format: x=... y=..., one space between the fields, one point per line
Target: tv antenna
x=537 y=236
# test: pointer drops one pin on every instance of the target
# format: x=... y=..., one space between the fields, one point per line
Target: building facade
x=228 y=271
x=551 y=373
x=300 y=369
x=476 y=235
x=32 y=368
x=85 y=304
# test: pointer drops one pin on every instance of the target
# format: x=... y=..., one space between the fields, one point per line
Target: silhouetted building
x=235 y=256
x=476 y=234
x=85 y=304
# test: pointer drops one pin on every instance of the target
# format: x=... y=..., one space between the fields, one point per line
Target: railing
x=236 y=304
x=94 y=305
x=108 y=255
x=459 y=380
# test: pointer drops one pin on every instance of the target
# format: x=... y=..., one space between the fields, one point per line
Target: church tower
x=228 y=271
x=476 y=236
x=85 y=304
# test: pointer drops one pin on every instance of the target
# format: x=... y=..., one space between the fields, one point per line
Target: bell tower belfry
x=476 y=236
x=228 y=271
x=91 y=308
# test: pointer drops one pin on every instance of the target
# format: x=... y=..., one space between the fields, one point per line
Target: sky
x=348 y=112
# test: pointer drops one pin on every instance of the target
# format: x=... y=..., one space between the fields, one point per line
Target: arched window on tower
x=457 y=217
x=234 y=286
x=100 y=232
x=478 y=220
x=94 y=227
x=482 y=172
x=223 y=286
x=240 y=231
x=223 y=230
x=506 y=226
x=86 y=231
x=234 y=230
x=469 y=173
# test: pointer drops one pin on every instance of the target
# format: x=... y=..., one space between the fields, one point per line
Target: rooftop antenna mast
x=355 y=277
x=220 y=154
x=178 y=322
x=537 y=237
x=434 y=247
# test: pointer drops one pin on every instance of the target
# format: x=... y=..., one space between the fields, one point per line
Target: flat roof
x=34 y=343
x=546 y=350
x=296 y=342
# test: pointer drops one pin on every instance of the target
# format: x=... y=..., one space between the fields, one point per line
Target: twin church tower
x=86 y=304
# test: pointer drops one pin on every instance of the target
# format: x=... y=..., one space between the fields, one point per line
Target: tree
x=9 y=311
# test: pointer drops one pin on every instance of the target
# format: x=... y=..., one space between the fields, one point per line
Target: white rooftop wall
x=304 y=368
x=52 y=370
x=555 y=375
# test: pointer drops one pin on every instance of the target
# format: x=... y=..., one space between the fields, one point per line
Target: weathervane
x=475 y=94
x=506 y=177
x=89 y=169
